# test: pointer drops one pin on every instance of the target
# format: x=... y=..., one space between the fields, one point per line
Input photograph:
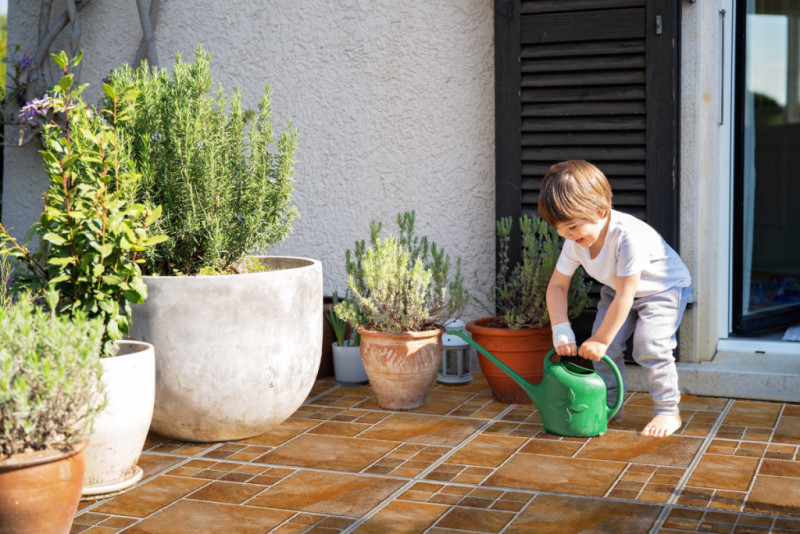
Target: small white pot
x=347 y=365
x=121 y=428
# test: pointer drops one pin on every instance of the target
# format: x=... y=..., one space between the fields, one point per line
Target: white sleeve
x=567 y=262
x=632 y=255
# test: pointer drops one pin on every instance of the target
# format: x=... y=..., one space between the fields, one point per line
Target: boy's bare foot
x=662 y=426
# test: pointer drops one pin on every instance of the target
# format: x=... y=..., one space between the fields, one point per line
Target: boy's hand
x=568 y=349
x=592 y=350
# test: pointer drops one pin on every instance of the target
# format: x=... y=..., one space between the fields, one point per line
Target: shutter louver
x=583 y=94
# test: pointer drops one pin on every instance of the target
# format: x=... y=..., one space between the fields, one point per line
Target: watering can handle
x=620 y=386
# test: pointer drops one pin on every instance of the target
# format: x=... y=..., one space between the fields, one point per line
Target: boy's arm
x=594 y=347
x=557 y=291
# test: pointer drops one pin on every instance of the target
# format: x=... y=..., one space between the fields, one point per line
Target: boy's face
x=583 y=232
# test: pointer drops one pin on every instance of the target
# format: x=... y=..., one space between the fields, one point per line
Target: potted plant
x=238 y=336
x=405 y=295
x=50 y=393
x=92 y=237
x=347 y=366
x=519 y=334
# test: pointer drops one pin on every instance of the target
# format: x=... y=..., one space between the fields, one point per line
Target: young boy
x=645 y=285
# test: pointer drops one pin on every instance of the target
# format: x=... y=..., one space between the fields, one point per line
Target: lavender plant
x=519 y=291
x=403 y=284
x=225 y=188
x=50 y=388
x=92 y=232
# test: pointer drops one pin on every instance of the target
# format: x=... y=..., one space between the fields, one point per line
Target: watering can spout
x=570 y=399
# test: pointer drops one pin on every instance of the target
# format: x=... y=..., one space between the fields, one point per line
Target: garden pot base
x=103 y=491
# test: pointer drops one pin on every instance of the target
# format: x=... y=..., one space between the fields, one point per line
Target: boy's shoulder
x=626 y=222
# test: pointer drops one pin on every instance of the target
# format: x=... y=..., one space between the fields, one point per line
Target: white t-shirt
x=631 y=246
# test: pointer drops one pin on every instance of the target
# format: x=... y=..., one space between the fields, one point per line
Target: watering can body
x=572 y=400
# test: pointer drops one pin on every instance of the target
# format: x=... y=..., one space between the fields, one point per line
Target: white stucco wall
x=394 y=102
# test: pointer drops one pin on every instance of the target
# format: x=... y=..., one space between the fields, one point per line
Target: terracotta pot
x=401 y=367
x=523 y=350
x=39 y=492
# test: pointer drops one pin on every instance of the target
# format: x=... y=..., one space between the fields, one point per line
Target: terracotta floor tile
x=227 y=492
x=282 y=433
x=551 y=447
x=635 y=448
x=557 y=514
x=475 y=520
x=339 y=428
x=775 y=495
x=788 y=430
x=724 y=472
x=442 y=402
x=328 y=493
x=201 y=517
x=329 y=452
x=143 y=500
x=487 y=450
x=400 y=516
x=751 y=413
x=427 y=429
x=153 y=463
x=558 y=475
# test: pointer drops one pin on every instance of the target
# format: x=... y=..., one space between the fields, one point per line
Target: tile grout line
x=420 y=476
x=669 y=505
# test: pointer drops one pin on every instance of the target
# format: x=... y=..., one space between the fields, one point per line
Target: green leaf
x=54 y=238
x=109 y=90
x=153 y=216
x=66 y=82
x=60 y=59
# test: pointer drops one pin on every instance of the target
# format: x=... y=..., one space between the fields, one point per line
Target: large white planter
x=236 y=354
x=121 y=428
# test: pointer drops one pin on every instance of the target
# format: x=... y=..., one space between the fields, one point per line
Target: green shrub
x=223 y=191
x=92 y=232
x=520 y=291
x=50 y=389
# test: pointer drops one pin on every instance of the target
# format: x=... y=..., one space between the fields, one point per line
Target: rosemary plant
x=225 y=188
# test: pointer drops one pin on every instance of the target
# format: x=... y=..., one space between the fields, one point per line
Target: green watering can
x=571 y=399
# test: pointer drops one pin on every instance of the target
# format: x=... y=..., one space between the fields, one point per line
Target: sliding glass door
x=766 y=262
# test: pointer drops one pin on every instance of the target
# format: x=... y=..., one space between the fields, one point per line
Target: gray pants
x=653 y=321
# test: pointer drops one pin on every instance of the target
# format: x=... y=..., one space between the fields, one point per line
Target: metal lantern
x=456 y=367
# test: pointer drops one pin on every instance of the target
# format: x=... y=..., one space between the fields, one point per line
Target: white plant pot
x=236 y=354
x=121 y=427
x=347 y=365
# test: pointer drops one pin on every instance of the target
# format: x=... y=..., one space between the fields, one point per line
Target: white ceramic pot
x=121 y=428
x=347 y=365
x=236 y=354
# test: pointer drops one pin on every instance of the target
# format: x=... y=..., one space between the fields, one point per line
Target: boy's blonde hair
x=573 y=190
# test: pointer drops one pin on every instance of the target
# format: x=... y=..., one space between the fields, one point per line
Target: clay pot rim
x=363 y=330
x=30 y=459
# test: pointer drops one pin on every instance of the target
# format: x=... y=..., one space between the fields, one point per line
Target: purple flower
x=156 y=136
x=238 y=216
x=33 y=109
x=26 y=64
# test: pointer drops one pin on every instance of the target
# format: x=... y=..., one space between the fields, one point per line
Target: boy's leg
x=616 y=350
x=654 y=342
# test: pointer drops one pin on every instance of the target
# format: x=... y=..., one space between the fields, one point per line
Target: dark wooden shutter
x=594 y=80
